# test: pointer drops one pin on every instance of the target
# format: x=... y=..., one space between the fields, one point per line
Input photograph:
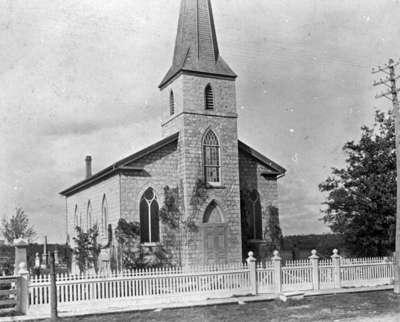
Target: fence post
x=251 y=262
x=53 y=289
x=22 y=289
x=315 y=269
x=276 y=260
x=20 y=253
x=336 y=269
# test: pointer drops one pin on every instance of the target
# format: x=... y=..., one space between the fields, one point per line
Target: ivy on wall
x=134 y=254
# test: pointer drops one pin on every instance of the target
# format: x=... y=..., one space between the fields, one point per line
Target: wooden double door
x=214 y=243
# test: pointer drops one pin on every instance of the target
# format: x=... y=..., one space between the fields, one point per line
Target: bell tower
x=196 y=64
x=199 y=97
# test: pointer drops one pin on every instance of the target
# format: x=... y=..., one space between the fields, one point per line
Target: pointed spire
x=196 y=46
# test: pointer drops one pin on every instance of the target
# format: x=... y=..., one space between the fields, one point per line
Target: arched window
x=171 y=103
x=255 y=217
x=149 y=220
x=104 y=216
x=89 y=215
x=209 y=98
x=76 y=217
x=211 y=158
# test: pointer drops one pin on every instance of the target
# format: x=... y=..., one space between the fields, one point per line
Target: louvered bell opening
x=209 y=98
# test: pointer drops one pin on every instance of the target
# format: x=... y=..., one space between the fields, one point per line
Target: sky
x=80 y=77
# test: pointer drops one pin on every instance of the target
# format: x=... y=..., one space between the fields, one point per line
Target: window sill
x=214 y=186
x=148 y=244
x=257 y=241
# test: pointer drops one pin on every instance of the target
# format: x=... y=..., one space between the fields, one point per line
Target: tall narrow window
x=211 y=158
x=149 y=219
x=89 y=215
x=209 y=97
x=76 y=217
x=171 y=103
x=104 y=216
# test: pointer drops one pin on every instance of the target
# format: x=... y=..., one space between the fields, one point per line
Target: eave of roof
x=119 y=166
x=276 y=168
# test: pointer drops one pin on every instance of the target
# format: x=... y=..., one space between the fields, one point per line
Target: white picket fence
x=315 y=274
x=220 y=281
x=215 y=281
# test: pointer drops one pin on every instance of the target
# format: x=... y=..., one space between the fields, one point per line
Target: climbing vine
x=133 y=253
x=199 y=197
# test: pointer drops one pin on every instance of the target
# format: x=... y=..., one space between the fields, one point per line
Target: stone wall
x=250 y=178
x=94 y=194
x=160 y=170
x=223 y=121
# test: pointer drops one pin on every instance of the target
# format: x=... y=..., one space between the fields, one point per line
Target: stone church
x=199 y=151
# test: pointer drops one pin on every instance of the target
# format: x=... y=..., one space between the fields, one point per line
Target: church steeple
x=196 y=46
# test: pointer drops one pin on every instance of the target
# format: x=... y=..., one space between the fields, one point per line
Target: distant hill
x=302 y=245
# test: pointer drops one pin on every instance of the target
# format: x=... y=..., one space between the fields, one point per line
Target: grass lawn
x=320 y=308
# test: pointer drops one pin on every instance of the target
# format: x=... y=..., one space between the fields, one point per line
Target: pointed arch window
x=104 y=215
x=89 y=215
x=209 y=98
x=255 y=217
x=171 y=103
x=211 y=156
x=149 y=217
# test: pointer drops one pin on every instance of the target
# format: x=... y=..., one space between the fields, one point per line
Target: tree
x=273 y=229
x=17 y=227
x=87 y=249
x=361 y=200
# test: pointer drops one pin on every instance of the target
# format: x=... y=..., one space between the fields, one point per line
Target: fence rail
x=273 y=276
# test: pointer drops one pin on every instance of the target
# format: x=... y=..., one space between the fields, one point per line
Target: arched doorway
x=214 y=236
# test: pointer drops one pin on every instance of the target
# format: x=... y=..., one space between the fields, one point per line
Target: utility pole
x=391 y=94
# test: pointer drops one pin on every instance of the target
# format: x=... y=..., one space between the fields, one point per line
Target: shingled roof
x=196 y=46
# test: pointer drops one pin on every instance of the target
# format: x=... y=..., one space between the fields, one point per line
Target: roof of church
x=274 y=168
x=121 y=166
x=196 y=46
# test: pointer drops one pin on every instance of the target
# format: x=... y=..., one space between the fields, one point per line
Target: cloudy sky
x=80 y=77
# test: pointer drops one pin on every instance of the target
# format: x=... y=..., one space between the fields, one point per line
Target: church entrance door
x=214 y=236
